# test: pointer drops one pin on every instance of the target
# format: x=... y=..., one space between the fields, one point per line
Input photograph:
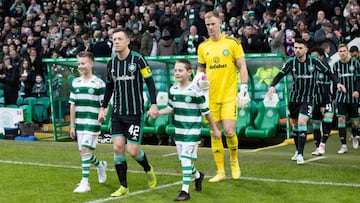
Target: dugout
x=261 y=68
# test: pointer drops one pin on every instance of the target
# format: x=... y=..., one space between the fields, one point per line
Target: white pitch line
x=315 y=159
x=301 y=182
x=171 y=154
x=179 y=182
x=136 y=193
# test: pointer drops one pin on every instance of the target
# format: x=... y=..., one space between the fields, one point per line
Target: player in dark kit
x=323 y=106
x=347 y=70
x=303 y=69
x=125 y=74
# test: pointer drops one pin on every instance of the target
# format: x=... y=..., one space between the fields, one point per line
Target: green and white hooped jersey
x=87 y=97
x=189 y=105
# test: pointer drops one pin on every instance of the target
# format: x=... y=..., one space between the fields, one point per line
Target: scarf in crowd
x=191 y=47
x=190 y=16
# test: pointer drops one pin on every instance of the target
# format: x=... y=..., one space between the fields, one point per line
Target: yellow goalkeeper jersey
x=220 y=57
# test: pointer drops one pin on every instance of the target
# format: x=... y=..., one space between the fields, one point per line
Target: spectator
x=300 y=28
x=295 y=14
x=34 y=7
x=18 y=9
x=76 y=16
x=11 y=81
x=135 y=38
x=133 y=21
x=63 y=48
x=169 y=22
x=25 y=85
x=74 y=48
x=276 y=39
x=349 y=6
x=249 y=41
x=229 y=11
x=148 y=42
x=316 y=23
x=39 y=89
x=289 y=42
x=354 y=52
x=325 y=34
x=351 y=29
x=199 y=22
x=191 y=42
x=102 y=47
x=308 y=39
x=166 y=45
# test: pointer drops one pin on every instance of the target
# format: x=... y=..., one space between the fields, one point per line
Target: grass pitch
x=49 y=171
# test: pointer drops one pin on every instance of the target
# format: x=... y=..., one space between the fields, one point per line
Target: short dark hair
x=319 y=50
x=120 y=29
x=354 y=48
x=301 y=41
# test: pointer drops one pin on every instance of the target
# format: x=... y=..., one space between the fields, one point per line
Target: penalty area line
x=136 y=193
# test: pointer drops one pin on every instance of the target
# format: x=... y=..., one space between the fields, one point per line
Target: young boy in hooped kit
x=188 y=104
x=86 y=96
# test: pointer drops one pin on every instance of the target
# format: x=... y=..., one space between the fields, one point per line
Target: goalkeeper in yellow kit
x=222 y=58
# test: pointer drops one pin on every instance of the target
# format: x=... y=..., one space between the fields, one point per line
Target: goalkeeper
x=221 y=57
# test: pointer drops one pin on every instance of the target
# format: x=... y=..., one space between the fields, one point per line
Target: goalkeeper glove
x=243 y=97
x=202 y=81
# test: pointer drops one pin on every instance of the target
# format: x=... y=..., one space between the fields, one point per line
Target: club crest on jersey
x=91 y=91
x=351 y=68
x=226 y=52
x=311 y=68
x=187 y=99
x=132 y=67
x=321 y=76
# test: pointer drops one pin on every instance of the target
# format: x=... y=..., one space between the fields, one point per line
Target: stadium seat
x=243 y=120
x=267 y=119
x=29 y=100
x=156 y=126
x=40 y=109
x=20 y=101
x=1 y=92
x=158 y=71
x=2 y=101
x=160 y=86
x=159 y=78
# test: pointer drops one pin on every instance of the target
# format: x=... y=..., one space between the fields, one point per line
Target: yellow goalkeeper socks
x=217 y=148
x=232 y=143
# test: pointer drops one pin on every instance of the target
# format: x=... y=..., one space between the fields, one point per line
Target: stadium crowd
x=33 y=29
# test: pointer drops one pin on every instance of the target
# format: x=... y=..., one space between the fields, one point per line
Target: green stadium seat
x=243 y=120
x=156 y=126
x=2 y=101
x=11 y=106
x=266 y=121
x=40 y=109
x=160 y=86
x=158 y=71
x=29 y=100
x=159 y=78
x=1 y=92
x=20 y=101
